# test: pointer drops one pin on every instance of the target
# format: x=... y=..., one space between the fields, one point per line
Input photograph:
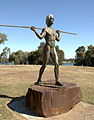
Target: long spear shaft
x=19 y=26
x=34 y=28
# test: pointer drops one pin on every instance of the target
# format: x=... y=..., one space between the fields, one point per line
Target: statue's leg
x=56 y=68
x=41 y=72
x=45 y=60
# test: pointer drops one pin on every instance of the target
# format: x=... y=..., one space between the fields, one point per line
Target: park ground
x=16 y=79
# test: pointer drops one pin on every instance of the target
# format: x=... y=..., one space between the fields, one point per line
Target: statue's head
x=49 y=20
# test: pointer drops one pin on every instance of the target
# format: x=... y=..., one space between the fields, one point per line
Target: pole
x=68 y=33
x=34 y=28
x=19 y=26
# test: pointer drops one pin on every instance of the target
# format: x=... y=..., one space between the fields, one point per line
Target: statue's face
x=49 y=20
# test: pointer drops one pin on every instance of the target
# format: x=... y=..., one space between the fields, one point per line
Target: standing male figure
x=50 y=36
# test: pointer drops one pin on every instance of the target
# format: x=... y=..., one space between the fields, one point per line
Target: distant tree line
x=34 y=57
x=21 y=57
x=69 y=60
x=85 y=57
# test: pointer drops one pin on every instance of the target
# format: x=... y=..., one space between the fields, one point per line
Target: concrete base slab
x=81 y=111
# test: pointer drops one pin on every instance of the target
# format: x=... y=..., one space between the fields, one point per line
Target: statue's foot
x=37 y=83
x=58 y=83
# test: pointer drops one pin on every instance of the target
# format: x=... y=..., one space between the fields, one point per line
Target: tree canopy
x=4 y=56
x=3 y=38
x=85 y=57
x=19 y=57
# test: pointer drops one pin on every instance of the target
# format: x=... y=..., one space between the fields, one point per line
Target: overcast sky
x=70 y=15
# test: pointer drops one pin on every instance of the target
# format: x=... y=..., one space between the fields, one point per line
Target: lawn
x=15 y=80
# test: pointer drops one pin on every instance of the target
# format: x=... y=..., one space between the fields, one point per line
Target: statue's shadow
x=18 y=104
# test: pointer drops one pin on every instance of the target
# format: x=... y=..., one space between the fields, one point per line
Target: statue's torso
x=50 y=37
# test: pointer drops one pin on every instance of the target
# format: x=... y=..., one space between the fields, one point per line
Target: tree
x=85 y=58
x=19 y=57
x=36 y=57
x=4 y=56
x=3 y=38
x=79 y=58
x=6 y=50
x=89 y=56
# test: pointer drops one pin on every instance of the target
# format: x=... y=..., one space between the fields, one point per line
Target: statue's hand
x=32 y=28
x=58 y=31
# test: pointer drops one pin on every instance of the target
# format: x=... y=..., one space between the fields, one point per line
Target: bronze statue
x=50 y=36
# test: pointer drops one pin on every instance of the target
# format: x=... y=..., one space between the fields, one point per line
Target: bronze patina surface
x=51 y=36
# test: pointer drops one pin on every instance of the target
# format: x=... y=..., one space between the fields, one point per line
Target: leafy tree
x=4 y=56
x=85 y=58
x=80 y=53
x=6 y=50
x=89 y=56
x=36 y=57
x=3 y=38
x=19 y=57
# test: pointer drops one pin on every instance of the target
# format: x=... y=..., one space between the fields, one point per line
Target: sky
x=70 y=15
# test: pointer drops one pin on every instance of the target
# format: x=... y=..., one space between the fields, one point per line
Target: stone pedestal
x=49 y=100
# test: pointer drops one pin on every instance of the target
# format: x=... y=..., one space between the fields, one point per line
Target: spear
x=35 y=28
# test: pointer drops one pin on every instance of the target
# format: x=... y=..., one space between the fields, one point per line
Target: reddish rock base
x=49 y=100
